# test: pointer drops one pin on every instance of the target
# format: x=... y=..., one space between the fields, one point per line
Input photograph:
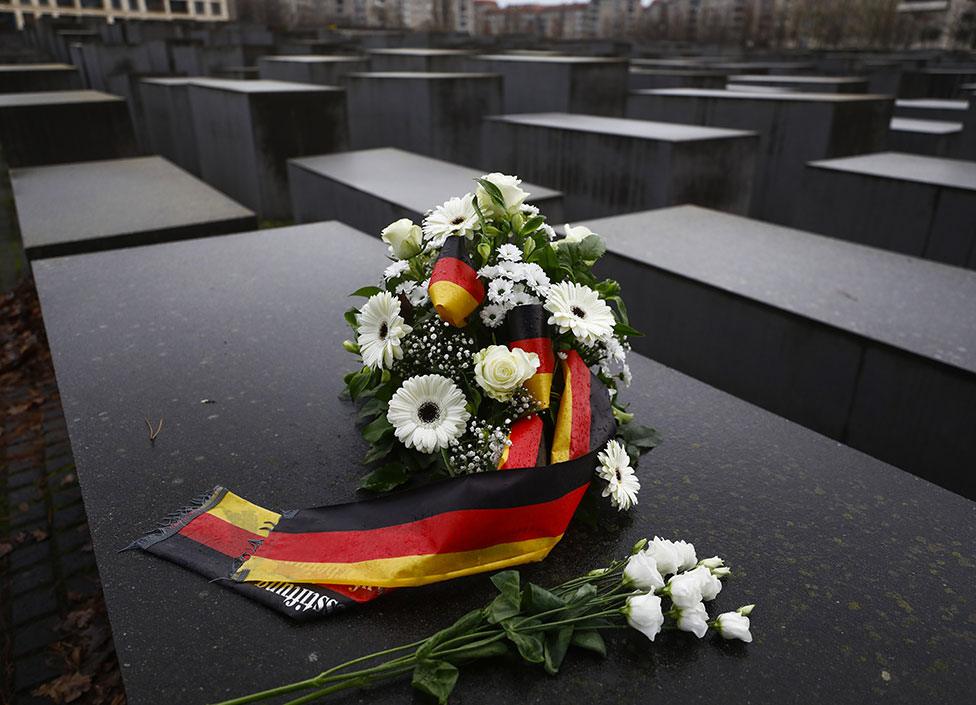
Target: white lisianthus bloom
x=380 y=328
x=574 y=234
x=579 y=309
x=641 y=572
x=427 y=413
x=404 y=238
x=686 y=555
x=512 y=195
x=685 y=590
x=734 y=625
x=644 y=614
x=693 y=619
x=622 y=483
x=501 y=372
x=664 y=555
x=455 y=216
x=710 y=585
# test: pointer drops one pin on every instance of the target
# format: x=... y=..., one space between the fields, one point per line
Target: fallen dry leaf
x=68 y=479
x=39 y=535
x=5 y=548
x=79 y=619
x=65 y=689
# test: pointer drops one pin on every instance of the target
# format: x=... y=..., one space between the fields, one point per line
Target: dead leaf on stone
x=20 y=537
x=23 y=507
x=79 y=619
x=65 y=689
x=5 y=549
x=68 y=479
x=39 y=535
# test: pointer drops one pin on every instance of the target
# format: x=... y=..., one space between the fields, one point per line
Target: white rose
x=664 y=555
x=642 y=572
x=733 y=625
x=512 y=195
x=644 y=614
x=576 y=233
x=693 y=619
x=404 y=238
x=710 y=585
x=500 y=371
x=685 y=590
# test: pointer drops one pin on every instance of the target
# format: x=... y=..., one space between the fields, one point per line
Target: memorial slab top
x=933 y=103
x=931 y=127
x=410 y=180
x=843 y=554
x=420 y=51
x=17 y=100
x=765 y=78
x=690 y=73
x=622 y=127
x=314 y=58
x=173 y=80
x=421 y=75
x=19 y=68
x=261 y=86
x=737 y=95
x=70 y=203
x=937 y=171
x=552 y=59
x=916 y=305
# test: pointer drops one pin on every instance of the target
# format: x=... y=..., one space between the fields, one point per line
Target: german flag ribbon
x=527 y=329
x=455 y=289
x=306 y=563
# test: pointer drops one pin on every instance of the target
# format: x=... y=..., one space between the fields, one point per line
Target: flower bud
x=350 y=346
x=746 y=610
x=722 y=572
x=713 y=562
x=732 y=625
x=639 y=546
x=404 y=238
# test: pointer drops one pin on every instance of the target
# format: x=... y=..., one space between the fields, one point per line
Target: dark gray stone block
x=606 y=166
x=794 y=128
x=254 y=321
x=567 y=84
x=931 y=109
x=89 y=206
x=916 y=205
x=937 y=138
x=810 y=328
x=763 y=67
x=33 y=78
x=321 y=70
x=247 y=130
x=55 y=127
x=370 y=189
x=641 y=78
x=169 y=121
x=934 y=82
x=410 y=59
x=803 y=84
x=436 y=114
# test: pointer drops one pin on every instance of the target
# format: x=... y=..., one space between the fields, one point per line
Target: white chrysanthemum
x=622 y=484
x=380 y=330
x=456 y=216
x=396 y=269
x=428 y=413
x=529 y=210
x=492 y=315
x=419 y=296
x=510 y=252
x=549 y=231
x=500 y=291
x=579 y=309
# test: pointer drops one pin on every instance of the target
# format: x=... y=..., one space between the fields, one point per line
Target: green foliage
x=385 y=478
x=436 y=678
x=366 y=291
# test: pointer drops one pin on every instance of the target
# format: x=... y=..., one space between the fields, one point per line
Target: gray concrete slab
x=931 y=109
x=570 y=84
x=639 y=77
x=169 y=121
x=804 y=84
x=369 y=189
x=247 y=130
x=322 y=70
x=938 y=138
x=254 y=322
x=796 y=323
x=33 y=78
x=606 y=166
x=54 y=127
x=794 y=128
x=435 y=114
x=90 y=206
x=934 y=82
x=764 y=67
x=421 y=59
x=917 y=205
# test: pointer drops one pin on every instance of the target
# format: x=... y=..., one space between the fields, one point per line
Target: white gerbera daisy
x=622 y=484
x=428 y=413
x=510 y=252
x=454 y=217
x=579 y=309
x=380 y=331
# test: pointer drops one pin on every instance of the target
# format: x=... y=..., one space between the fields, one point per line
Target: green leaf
x=624 y=329
x=528 y=246
x=350 y=317
x=532 y=224
x=436 y=678
x=556 y=646
x=644 y=437
x=494 y=648
x=508 y=583
x=538 y=599
x=608 y=288
x=493 y=192
x=377 y=429
x=583 y=592
x=591 y=248
x=371 y=408
x=358 y=382
x=591 y=640
x=385 y=478
x=509 y=602
x=366 y=291
x=464 y=625
x=530 y=646
x=379 y=450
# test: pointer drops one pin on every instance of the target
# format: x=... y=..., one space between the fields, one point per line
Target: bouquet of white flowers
x=479 y=346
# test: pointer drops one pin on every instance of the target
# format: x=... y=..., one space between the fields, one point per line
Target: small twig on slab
x=154 y=433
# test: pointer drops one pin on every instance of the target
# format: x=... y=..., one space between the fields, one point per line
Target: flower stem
x=273 y=692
